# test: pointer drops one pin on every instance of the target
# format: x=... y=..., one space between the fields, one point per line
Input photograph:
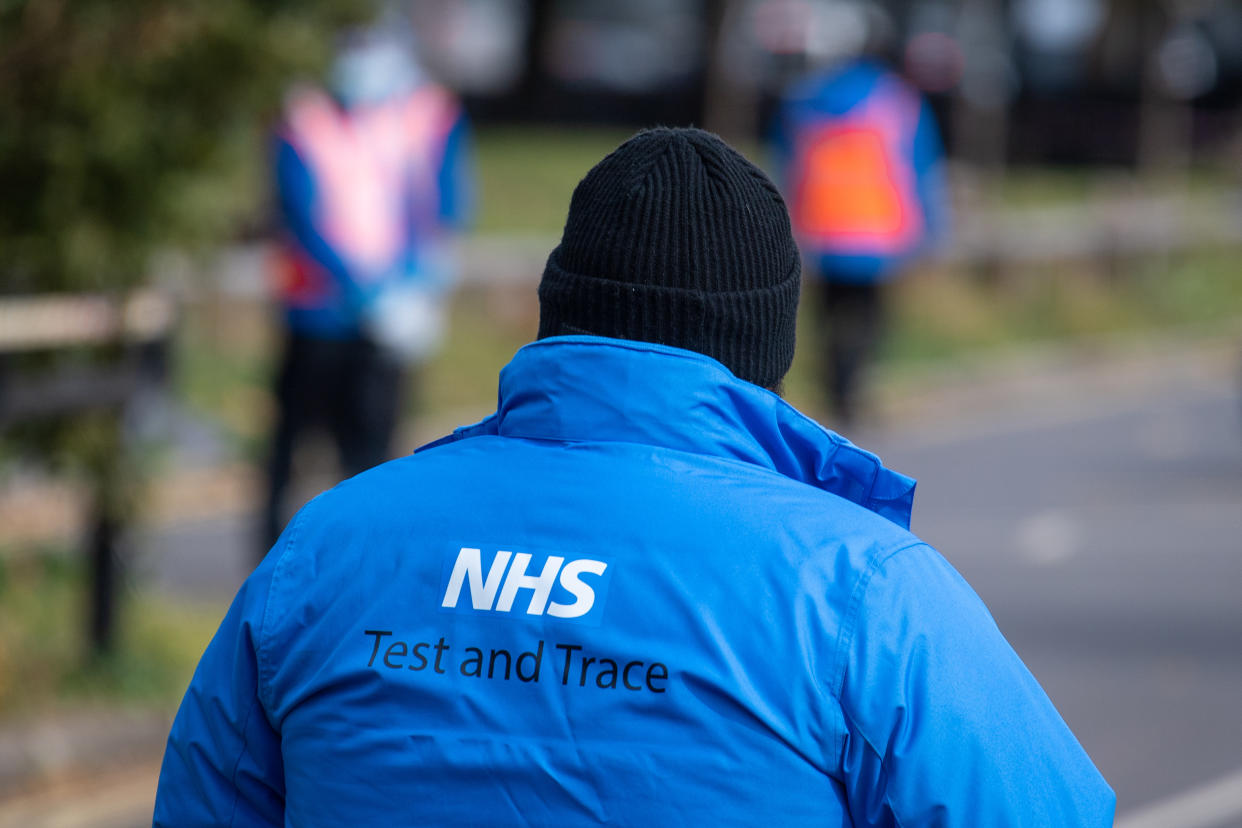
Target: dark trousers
x=349 y=387
x=853 y=317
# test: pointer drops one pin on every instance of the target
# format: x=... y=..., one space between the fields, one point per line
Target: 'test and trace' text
x=567 y=664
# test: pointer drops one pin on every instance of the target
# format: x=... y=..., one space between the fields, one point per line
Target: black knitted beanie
x=677 y=239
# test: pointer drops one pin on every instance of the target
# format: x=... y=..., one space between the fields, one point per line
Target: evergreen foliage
x=130 y=126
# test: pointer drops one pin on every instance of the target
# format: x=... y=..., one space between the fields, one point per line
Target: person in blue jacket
x=646 y=591
x=372 y=177
x=861 y=162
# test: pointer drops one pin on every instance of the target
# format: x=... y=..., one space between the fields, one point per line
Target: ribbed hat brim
x=751 y=331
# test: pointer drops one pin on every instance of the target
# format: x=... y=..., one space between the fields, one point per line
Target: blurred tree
x=126 y=126
x=532 y=86
x=730 y=109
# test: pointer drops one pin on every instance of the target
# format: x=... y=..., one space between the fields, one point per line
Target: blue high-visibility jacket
x=644 y=592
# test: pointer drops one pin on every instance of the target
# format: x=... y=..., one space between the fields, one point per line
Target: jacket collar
x=591 y=389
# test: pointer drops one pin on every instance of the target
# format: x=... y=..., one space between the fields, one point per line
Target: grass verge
x=44 y=661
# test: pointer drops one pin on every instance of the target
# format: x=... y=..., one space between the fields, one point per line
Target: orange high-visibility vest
x=855 y=188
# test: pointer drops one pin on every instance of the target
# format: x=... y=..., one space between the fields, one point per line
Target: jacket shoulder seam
x=266 y=669
x=884 y=768
x=237 y=762
x=845 y=639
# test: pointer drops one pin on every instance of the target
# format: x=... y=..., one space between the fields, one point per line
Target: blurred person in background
x=372 y=176
x=646 y=591
x=862 y=166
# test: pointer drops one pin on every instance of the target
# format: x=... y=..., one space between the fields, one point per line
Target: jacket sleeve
x=927 y=154
x=455 y=177
x=296 y=195
x=222 y=765
x=945 y=725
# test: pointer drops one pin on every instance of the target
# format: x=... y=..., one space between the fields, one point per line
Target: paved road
x=1104 y=530
x=1099 y=514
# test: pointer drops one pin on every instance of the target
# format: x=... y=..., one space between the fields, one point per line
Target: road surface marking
x=1211 y=804
x=1048 y=537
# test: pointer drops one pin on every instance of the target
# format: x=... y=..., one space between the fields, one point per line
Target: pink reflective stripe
x=430 y=116
x=366 y=163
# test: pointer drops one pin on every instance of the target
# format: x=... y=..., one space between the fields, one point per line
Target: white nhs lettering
x=468 y=572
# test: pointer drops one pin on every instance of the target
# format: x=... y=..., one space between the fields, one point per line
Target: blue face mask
x=372 y=73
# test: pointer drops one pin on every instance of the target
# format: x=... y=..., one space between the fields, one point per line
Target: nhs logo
x=521 y=583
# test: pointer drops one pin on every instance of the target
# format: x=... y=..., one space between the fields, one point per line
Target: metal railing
x=68 y=356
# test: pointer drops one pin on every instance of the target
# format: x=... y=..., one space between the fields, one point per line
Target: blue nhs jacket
x=644 y=592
